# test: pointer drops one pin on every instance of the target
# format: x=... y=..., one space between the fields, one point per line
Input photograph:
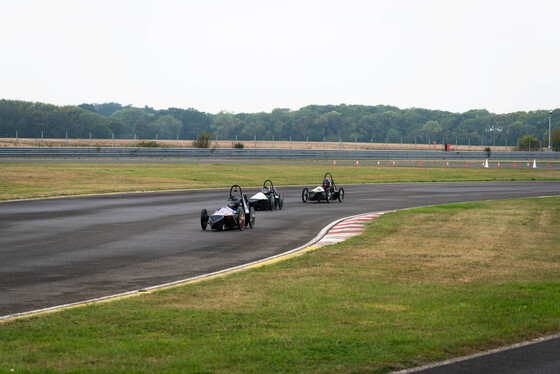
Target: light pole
x=549 y=122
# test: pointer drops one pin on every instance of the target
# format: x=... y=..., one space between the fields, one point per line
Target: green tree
x=555 y=140
x=225 y=124
x=432 y=129
x=528 y=143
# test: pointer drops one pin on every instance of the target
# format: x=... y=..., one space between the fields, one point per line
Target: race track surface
x=58 y=251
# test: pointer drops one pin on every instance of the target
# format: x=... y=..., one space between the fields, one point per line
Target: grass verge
x=418 y=286
x=36 y=180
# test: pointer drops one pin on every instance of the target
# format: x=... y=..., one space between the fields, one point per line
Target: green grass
x=418 y=286
x=36 y=180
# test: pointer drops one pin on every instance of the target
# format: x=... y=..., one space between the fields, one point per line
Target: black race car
x=237 y=213
x=268 y=198
x=326 y=192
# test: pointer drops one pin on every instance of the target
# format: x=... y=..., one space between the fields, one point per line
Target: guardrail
x=283 y=154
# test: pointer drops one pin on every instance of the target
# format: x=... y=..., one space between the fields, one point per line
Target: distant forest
x=314 y=123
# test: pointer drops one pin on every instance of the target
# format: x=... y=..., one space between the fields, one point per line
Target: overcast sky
x=252 y=56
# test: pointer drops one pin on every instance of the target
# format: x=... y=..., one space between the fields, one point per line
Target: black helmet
x=326 y=182
x=233 y=202
x=266 y=190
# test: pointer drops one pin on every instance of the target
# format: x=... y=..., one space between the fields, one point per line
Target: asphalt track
x=64 y=250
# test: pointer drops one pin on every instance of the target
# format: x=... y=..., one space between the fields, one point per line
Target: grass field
x=418 y=286
x=35 y=180
x=37 y=142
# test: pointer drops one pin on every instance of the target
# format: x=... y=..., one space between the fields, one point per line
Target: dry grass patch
x=467 y=245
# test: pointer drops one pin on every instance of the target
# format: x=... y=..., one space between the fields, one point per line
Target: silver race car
x=236 y=214
x=328 y=191
x=268 y=198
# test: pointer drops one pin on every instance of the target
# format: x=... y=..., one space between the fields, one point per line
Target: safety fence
x=274 y=154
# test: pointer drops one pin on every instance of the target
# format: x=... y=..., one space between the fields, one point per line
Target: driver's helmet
x=266 y=190
x=326 y=183
x=233 y=202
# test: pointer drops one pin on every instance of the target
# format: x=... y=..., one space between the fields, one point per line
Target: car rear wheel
x=204 y=219
x=341 y=195
x=305 y=195
x=251 y=217
x=272 y=201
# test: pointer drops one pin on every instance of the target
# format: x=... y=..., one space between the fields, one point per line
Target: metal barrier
x=273 y=154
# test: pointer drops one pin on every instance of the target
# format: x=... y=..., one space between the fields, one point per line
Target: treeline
x=314 y=122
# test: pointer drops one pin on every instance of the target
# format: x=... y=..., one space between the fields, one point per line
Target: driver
x=233 y=202
x=326 y=184
x=266 y=190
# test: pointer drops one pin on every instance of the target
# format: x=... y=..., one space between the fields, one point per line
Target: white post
x=17 y=139
x=272 y=141
x=112 y=139
x=67 y=138
x=41 y=138
x=177 y=144
x=290 y=142
x=135 y=140
x=549 y=122
x=90 y=139
x=307 y=145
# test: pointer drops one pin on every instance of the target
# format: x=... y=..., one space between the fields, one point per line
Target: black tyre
x=250 y=218
x=329 y=196
x=272 y=201
x=241 y=221
x=341 y=195
x=280 y=201
x=204 y=219
x=305 y=195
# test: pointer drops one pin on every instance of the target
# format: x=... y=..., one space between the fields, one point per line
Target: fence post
x=307 y=144
x=272 y=141
x=67 y=138
x=255 y=144
x=290 y=142
x=113 y=139
x=177 y=144
x=41 y=138
x=134 y=140
x=90 y=139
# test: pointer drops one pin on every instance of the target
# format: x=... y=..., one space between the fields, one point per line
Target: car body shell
x=269 y=201
x=320 y=193
x=229 y=218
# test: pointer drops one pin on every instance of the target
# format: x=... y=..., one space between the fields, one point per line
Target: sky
x=257 y=55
